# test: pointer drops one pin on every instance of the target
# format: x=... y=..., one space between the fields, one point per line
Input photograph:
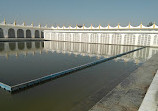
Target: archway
x=1 y=33
x=20 y=33
x=28 y=33
x=11 y=33
x=37 y=35
x=42 y=34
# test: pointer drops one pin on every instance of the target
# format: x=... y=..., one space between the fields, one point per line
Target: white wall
x=122 y=38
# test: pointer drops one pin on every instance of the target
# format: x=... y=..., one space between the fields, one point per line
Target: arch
x=37 y=35
x=11 y=33
x=21 y=45
x=1 y=46
x=1 y=33
x=42 y=34
x=12 y=45
x=20 y=33
x=29 y=45
x=28 y=33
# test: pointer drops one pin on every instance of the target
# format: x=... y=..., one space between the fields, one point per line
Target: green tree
x=150 y=24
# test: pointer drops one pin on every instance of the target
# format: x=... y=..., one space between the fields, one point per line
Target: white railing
x=14 y=24
x=141 y=26
x=83 y=27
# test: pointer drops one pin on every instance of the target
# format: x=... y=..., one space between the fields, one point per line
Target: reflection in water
x=37 y=45
x=29 y=45
x=1 y=46
x=83 y=49
x=16 y=48
x=12 y=45
x=21 y=45
x=42 y=44
x=100 y=50
x=76 y=91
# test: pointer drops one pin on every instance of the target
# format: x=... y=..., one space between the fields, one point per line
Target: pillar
x=99 y=38
x=39 y=33
x=15 y=32
x=24 y=33
x=64 y=36
x=32 y=33
x=56 y=38
x=50 y=36
x=71 y=37
x=110 y=38
x=122 y=39
x=89 y=37
x=136 y=39
x=152 y=40
x=5 y=31
x=80 y=37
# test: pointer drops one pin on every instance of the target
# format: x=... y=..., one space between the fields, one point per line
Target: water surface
x=77 y=91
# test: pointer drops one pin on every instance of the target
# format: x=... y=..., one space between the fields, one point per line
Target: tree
x=150 y=24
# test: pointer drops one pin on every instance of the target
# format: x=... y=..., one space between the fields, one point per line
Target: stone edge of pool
x=129 y=94
x=58 y=74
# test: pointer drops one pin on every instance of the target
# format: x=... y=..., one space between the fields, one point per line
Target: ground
x=129 y=94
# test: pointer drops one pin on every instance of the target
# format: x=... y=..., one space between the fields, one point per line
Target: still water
x=78 y=91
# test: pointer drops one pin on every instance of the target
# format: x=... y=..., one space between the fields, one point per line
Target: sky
x=72 y=12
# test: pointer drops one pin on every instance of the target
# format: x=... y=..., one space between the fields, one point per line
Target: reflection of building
x=83 y=49
x=138 y=38
x=16 y=48
x=100 y=50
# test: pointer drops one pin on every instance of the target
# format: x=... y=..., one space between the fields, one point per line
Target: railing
x=83 y=27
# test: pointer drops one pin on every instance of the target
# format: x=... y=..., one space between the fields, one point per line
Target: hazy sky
x=66 y=12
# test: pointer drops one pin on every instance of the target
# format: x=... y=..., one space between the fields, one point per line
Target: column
x=152 y=40
x=89 y=38
x=32 y=33
x=99 y=38
x=39 y=33
x=122 y=39
x=71 y=37
x=50 y=36
x=24 y=33
x=56 y=38
x=16 y=33
x=136 y=39
x=64 y=36
x=5 y=31
x=80 y=37
x=110 y=38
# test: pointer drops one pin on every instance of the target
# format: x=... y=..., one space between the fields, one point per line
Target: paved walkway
x=129 y=94
x=150 y=102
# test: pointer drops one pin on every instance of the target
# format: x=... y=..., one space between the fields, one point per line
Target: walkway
x=129 y=94
x=150 y=102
